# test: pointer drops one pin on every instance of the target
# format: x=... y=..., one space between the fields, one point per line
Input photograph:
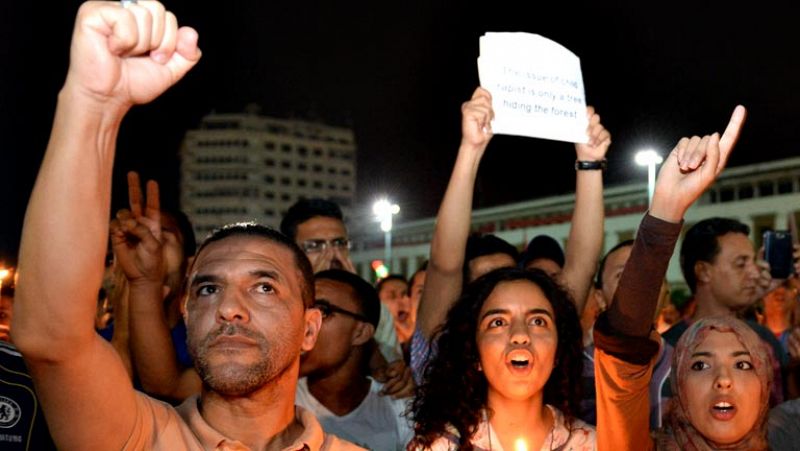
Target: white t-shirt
x=377 y=423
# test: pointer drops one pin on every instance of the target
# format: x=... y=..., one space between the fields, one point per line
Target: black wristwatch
x=591 y=165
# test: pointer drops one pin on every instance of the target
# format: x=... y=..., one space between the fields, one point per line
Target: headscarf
x=679 y=433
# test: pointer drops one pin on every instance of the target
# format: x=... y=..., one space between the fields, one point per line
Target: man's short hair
x=542 y=246
x=481 y=245
x=701 y=244
x=366 y=295
x=252 y=229
x=305 y=209
x=598 y=281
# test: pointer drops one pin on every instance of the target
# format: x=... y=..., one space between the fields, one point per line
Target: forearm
x=444 y=274
x=454 y=216
x=151 y=343
x=120 y=341
x=585 y=235
x=68 y=210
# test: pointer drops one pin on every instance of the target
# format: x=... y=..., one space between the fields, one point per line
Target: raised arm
x=586 y=231
x=623 y=334
x=83 y=386
x=444 y=277
x=137 y=242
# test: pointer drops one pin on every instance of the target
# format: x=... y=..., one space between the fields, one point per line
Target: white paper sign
x=536 y=86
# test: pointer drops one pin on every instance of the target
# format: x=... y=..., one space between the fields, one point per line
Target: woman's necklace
x=489 y=430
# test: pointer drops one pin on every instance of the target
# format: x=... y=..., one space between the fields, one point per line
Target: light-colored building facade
x=762 y=196
x=247 y=167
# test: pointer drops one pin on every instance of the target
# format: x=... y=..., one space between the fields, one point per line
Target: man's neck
x=707 y=306
x=264 y=419
x=341 y=391
x=530 y=421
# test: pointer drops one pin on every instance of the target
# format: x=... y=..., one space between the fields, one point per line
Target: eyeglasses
x=327 y=310
x=316 y=246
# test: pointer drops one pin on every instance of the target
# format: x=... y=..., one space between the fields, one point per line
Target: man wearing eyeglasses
x=337 y=387
x=317 y=226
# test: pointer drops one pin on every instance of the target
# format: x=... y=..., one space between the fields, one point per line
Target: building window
x=317 y=168
x=302 y=151
x=785 y=186
x=285 y=197
x=286 y=164
x=302 y=182
x=269 y=145
x=726 y=194
x=286 y=181
x=317 y=152
x=286 y=148
x=332 y=171
x=317 y=184
x=269 y=162
x=346 y=172
x=269 y=195
x=269 y=179
x=766 y=189
x=746 y=192
x=302 y=166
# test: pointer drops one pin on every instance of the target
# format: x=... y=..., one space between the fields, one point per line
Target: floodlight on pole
x=384 y=210
x=649 y=158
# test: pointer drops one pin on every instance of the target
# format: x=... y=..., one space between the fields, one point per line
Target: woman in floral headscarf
x=721 y=372
x=721 y=376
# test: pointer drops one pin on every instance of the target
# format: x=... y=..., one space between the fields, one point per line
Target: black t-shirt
x=22 y=425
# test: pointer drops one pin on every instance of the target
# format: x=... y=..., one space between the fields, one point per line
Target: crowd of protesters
x=256 y=338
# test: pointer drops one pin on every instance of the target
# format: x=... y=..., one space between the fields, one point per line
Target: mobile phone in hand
x=778 y=253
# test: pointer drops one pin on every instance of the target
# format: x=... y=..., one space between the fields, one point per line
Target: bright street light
x=650 y=159
x=384 y=210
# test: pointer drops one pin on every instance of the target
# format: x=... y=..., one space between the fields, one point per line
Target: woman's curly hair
x=453 y=393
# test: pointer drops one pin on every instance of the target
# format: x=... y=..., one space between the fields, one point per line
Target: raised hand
x=136 y=234
x=599 y=139
x=476 y=120
x=691 y=167
x=128 y=55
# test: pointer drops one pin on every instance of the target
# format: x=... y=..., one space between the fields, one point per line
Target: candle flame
x=520 y=445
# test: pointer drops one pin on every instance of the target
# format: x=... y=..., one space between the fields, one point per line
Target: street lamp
x=650 y=159
x=384 y=210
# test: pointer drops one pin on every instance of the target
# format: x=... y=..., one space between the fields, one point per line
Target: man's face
x=339 y=333
x=245 y=316
x=393 y=295
x=733 y=275
x=5 y=317
x=479 y=266
x=612 y=271
x=331 y=231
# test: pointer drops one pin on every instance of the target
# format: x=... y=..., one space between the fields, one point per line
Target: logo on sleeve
x=10 y=413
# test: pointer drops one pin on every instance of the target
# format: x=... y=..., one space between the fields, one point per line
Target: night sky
x=397 y=73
